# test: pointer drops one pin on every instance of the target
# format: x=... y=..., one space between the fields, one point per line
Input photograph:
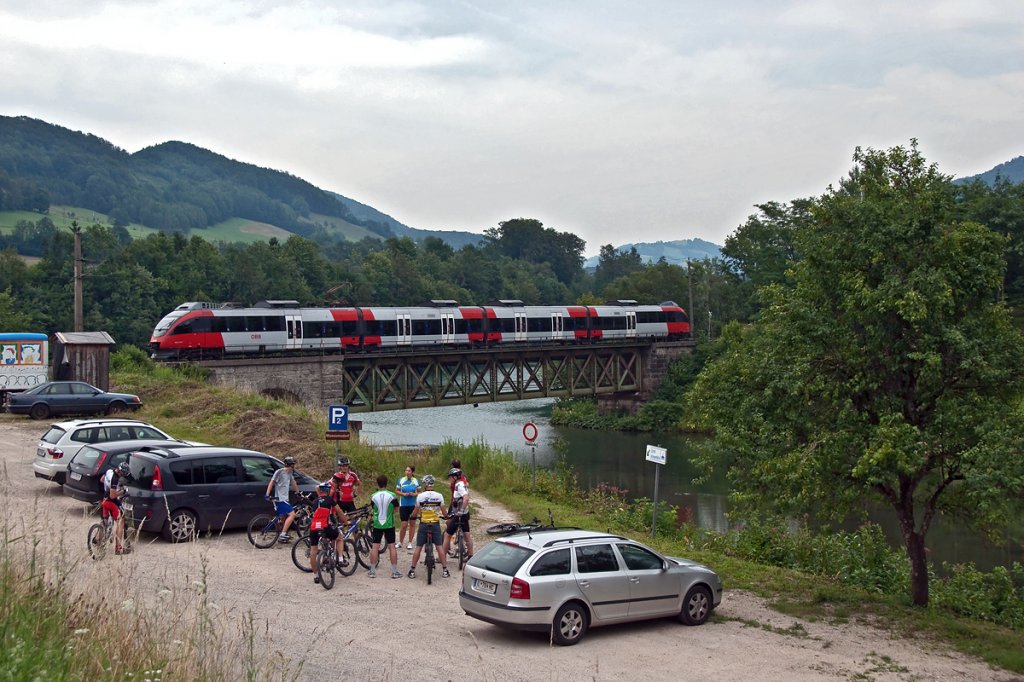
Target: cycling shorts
x=405 y=513
x=283 y=507
x=330 y=532
x=421 y=534
x=110 y=507
x=388 y=534
x=347 y=507
x=455 y=521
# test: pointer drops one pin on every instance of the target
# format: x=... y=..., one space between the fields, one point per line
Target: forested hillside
x=173 y=186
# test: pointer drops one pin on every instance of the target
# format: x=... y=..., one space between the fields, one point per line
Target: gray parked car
x=69 y=397
x=565 y=581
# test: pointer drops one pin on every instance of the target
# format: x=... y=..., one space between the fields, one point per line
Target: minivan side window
x=596 y=559
x=552 y=563
x=257 y=469
x=639 y=559
x=220 y=470
x=188 y=472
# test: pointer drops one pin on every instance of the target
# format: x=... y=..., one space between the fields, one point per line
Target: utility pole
x=77 y=231
x=689 y=290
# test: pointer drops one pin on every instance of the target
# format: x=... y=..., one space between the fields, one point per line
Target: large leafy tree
x=887 y=370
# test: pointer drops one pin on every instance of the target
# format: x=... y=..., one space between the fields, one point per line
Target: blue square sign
x=337 y=418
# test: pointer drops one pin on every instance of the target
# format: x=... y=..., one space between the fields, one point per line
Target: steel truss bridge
x=399 y=380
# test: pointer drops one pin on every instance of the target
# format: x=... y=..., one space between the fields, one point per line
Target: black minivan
x=181 y=492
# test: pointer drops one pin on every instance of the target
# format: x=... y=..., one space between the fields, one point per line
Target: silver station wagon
x=565 y=581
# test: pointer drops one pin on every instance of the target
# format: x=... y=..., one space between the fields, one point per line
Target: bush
x=130 y=359
x=996 y=596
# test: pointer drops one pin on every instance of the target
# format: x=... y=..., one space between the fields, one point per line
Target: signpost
x=656 y=454
x=337 y=426
x=530 y=434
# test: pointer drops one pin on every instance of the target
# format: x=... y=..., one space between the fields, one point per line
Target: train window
x=349 y=328
x=538 y=324
x=431 y=327
x=274 y=324
x=507 y=325
x=471 y=326
x=235 y=323
x=461 y=326
x=387 y=328
x=674 y=316
x=254 y=323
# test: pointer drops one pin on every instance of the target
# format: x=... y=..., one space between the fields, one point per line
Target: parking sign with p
x=337 y=418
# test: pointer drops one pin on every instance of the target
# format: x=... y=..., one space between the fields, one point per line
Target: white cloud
x=655 y=120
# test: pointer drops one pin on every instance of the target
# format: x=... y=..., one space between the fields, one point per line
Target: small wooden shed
x=82 y=356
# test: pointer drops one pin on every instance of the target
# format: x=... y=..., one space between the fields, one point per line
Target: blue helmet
x=324 y=486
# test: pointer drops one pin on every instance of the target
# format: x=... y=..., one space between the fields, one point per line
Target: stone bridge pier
x=655 y=361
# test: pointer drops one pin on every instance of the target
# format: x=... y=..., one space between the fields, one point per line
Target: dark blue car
x=69 y=397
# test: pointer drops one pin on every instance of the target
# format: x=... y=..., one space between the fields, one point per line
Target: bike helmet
x=123 y=469
x=324 y=486
x=344 y=461
x=428 y=480
x=456 y=472
x=289 y=461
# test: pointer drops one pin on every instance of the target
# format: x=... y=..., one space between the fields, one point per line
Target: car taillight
x=520 y=589
x=99 y=463
x=158 y=479
x=56 y=453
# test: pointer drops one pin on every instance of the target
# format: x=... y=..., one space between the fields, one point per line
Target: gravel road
x=385 y=629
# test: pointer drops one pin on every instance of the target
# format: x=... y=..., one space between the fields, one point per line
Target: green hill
x=173 y=186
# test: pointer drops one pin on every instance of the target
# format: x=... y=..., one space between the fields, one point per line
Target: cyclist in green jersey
x=382 y=507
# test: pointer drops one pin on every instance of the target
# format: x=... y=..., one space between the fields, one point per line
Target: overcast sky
x=618 y=121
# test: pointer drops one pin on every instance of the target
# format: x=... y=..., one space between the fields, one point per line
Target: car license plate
x=127 y=506
x=484 y=586
x=76 y=476
x=40 y=452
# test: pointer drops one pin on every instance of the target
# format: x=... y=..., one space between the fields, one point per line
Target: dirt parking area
x=384 y=629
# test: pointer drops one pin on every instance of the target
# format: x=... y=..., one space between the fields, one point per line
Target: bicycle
x=352 y=535
x=346 y=563
x=101 y=535
x=508 y=528
x=265 y=529
x=457 y=548
x=429 y=561
x=327 y=562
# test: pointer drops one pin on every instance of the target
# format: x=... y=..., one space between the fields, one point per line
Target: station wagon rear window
x=501 y=557
x=53 y=435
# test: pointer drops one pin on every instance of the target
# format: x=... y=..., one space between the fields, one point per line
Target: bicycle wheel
x=429 y=562
x=263 y=531
x=363 y=546
x=460 y=547
x=300 y=554
x=96 y=540
x=347 y=562
x=503 y=528
x=325 y=569
x=303 y=517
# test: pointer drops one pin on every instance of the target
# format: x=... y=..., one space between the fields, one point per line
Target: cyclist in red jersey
x=325 y=513
x=345 y=486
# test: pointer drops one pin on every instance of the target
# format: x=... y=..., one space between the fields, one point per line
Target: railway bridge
x=622 y=375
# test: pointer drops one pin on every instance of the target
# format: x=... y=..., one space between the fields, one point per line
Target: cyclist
x=282 y=483
x=408 y=487
x=459 y=511
x=115 y=483
x=383 y=503
x=325 y=512
x=345 y=485
x=428 y=509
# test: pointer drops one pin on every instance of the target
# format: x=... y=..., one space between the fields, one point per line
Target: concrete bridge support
x=655 y=361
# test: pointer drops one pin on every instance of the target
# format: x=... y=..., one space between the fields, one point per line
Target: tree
x=527 y=239
x=611 y=265
x=888 y=370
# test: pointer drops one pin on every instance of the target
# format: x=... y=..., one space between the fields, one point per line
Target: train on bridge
x=197 y=330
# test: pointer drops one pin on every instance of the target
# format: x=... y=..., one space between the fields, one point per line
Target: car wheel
x=182 y=526
x=570 y=624
x=696 y=606
x=40 y=411
x=116 y=407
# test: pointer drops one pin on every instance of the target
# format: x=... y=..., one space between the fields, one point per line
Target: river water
x=618 y=459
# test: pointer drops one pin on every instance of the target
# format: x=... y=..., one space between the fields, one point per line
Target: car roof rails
x=605 y=536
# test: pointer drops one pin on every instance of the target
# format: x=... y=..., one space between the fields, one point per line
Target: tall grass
x=65 y=617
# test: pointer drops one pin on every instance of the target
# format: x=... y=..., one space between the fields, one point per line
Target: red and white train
x=198 y=329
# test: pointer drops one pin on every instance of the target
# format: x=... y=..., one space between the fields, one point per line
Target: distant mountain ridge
x=675 y=252
x=1012 y=170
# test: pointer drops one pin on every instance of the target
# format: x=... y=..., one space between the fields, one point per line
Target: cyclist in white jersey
x=429 y=504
